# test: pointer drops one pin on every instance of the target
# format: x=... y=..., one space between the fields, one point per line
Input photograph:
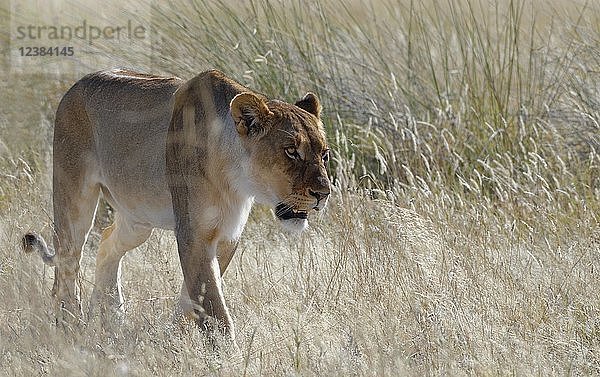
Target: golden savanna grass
x=463 y=234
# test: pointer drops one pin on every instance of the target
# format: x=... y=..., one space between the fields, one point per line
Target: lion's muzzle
x=286 y=212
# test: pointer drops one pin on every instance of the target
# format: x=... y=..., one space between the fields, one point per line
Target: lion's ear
x=247 y=110
x=310 y=103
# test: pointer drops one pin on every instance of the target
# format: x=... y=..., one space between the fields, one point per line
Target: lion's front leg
x=225 y=253
x=202 y=278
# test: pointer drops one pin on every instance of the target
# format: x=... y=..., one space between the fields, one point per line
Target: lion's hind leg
x=75 y=201
x=122 y=236
x=76 y=190
x=71 y=231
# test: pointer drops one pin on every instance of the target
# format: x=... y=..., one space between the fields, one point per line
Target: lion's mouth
x=284 y=212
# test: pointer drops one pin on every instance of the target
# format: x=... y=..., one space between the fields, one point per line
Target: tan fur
x=190 y=156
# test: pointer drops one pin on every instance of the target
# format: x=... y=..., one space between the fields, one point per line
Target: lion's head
x=288 y=154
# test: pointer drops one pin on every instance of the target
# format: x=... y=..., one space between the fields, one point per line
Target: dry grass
x=463 y=236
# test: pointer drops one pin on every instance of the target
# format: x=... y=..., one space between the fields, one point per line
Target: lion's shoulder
x=210 y=87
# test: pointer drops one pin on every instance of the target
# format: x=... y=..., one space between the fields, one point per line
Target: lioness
x=190 y=156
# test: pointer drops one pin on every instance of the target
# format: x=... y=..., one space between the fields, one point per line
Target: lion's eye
x=292 y=153
x=326 y=156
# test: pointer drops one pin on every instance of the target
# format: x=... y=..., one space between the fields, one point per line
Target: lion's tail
x=33 y=241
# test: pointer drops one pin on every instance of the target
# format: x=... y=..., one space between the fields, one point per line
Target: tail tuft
x=28 y=241
x=34 y=242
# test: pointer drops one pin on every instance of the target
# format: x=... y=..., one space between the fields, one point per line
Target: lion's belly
x=141 y=205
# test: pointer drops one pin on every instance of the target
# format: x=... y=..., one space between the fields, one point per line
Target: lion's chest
x=226 y=222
